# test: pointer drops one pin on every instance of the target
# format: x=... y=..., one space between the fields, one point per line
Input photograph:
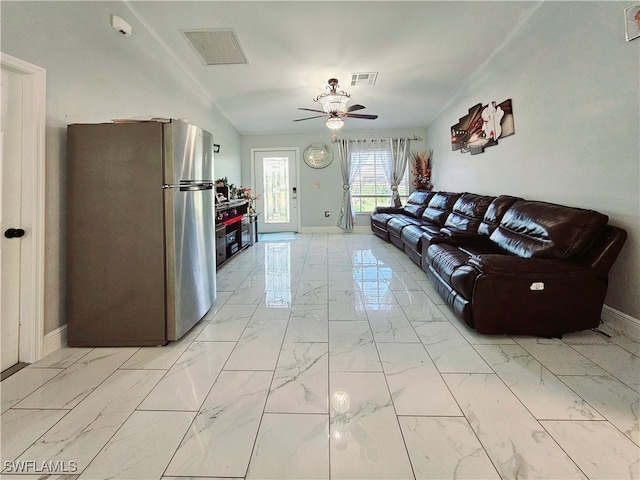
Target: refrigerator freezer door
x=189 y=226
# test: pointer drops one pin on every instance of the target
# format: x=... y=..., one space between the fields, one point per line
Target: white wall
x=95 y=74
x=575 y=86
x=573 y=80
x=315 y=201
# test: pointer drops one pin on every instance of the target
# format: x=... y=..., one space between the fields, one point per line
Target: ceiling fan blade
x=357 y=115
x=311 y=110
x=308 y=118
x=353 y=108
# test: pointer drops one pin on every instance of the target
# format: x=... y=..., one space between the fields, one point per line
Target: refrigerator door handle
x=189 y=187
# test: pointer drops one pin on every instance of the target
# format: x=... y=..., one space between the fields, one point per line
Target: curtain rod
x=335 y=140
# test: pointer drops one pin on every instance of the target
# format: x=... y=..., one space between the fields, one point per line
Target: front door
x=275 y=180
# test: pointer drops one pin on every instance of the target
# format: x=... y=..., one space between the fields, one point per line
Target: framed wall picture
x=632 y=21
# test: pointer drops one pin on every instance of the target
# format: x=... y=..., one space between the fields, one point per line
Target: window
x=370 y=187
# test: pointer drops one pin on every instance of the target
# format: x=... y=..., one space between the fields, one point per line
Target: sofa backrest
x=532 y=229
x=495 y=212
x=468 y=212
x=439 y=207
x=417 y=202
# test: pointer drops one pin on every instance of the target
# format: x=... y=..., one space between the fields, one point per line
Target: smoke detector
x=119 y=24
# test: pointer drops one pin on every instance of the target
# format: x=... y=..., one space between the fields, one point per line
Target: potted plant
x=247 y=194
x=421 y=169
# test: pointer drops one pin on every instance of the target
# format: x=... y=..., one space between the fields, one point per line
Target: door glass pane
x=276 y=189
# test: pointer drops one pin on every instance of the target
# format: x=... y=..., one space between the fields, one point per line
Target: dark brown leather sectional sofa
x=507 y=265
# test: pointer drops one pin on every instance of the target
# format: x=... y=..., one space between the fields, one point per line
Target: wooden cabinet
x=221 y=244
x=232 y=229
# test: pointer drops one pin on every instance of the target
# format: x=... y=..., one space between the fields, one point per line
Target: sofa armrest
x=388 y=210
x=452 y=232
x=535 y=269
x=463 y=235
x=454 y=236
x=604 y=251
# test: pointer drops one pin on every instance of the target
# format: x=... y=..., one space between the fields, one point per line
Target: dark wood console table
x=232 y=229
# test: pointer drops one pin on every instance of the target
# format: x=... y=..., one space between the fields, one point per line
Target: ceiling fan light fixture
x=334 y=106
x=335 y=101
x=335 y=123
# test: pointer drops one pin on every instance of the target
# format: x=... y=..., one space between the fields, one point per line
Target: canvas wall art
x=632 y=21
x=482 y=127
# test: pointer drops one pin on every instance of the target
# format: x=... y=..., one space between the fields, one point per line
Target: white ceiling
x=423 y=51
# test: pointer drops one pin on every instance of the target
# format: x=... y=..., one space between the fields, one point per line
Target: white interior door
x=22 y=195
x=275 y=180
x=10 y=214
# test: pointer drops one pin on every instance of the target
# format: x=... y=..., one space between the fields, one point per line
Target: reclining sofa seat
x=464 y=218
x=413 y=208
x=431 y=218
x=541 y=271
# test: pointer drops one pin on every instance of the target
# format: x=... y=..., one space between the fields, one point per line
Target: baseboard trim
x=54 y=340
x=623 y=323
x=333 y=230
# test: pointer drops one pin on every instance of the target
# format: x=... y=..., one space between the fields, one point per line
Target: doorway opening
x=275 y=178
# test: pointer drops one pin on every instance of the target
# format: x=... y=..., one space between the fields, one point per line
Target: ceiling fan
x=334 y=106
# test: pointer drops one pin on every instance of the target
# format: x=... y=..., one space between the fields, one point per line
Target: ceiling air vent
x=363 y=78
x=217 y=47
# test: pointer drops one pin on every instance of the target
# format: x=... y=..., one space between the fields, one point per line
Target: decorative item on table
x=421 y=169
x=482 y=127
x=222 y=189
x=247 y=194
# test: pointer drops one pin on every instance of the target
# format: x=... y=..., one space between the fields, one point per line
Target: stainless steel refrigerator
x=140 y=237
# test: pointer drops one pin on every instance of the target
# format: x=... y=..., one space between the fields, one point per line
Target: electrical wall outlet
x=327 y=213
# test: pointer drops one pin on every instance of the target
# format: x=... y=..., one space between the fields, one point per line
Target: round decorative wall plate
x=318 y=155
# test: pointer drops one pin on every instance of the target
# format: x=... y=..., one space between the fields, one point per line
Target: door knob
x=14 y=233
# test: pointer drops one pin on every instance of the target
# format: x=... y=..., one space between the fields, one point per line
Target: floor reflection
x=373 y=278
x=277 y=275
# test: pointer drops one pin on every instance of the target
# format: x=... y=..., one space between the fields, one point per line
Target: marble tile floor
x=330 y=356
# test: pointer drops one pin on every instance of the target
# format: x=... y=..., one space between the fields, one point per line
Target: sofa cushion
x=445 y=259
x=417 y=202
x=463 y=280
x=381 y=219
x=398 y=222
x=412 y=235
x=468 y=212
x=413 y=209
x=451 y=264
x=439 y=207
x=532 y=229
x=495 y=212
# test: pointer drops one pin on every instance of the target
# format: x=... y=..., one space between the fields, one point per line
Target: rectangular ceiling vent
x=368 y=78
x=217 y=47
